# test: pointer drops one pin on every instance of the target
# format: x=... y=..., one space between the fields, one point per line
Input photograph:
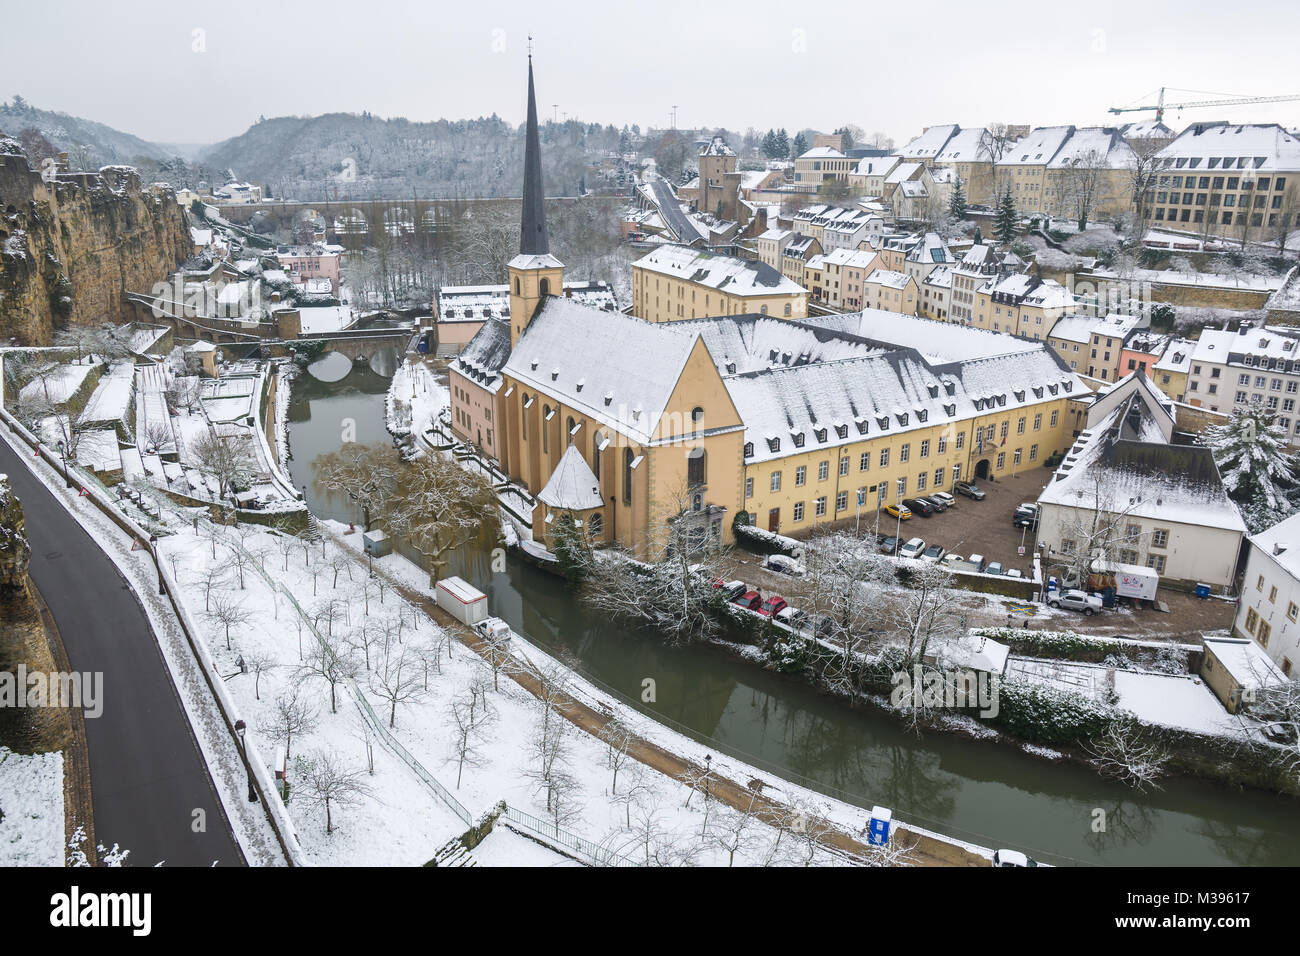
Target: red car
x=750 y=599
x=772 y=606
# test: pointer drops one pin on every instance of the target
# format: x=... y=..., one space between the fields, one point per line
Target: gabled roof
x=734 y=276
x=930 y=143
x=572 y=486
x=1038 y=148
x=614 y=368
x=1209 y=146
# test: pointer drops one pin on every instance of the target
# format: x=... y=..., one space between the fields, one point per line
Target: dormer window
x=581 y=382
x=1020 y=395
x=820 y=433
x=533 y=365
x=933 y=390
x=862 y=426
x=950 y=410
x=555 y=373
x=609 y=397
x=842 y=431
x=902 y=418
x=749 y=449
x=922 y=414
x=774 y=444
x=798 y=439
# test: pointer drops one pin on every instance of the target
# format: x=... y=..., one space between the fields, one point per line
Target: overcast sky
x=188 y=73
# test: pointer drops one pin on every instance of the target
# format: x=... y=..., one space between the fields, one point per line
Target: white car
x=912 y=549
x=943 y=496
x=783 y=564
x=1012 y=858
x=1076 y=600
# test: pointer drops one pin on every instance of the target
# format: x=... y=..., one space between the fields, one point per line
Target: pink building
x=304 y=263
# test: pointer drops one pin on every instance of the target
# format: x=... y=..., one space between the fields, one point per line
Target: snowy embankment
x=31 y=809
x=414 y=400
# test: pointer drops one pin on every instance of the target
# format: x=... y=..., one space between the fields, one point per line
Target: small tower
x=534 y=273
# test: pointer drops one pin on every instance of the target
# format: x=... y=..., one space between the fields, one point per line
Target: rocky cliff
x=71 y=246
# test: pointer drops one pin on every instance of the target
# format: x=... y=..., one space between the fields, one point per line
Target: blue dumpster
x=879 y=825
x=1202 y=590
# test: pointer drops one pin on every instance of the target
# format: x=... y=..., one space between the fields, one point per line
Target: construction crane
x=1160 y=104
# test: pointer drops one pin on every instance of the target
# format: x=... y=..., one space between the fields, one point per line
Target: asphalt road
x=147 y=775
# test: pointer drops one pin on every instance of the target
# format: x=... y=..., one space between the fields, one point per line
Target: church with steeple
x=601 y=416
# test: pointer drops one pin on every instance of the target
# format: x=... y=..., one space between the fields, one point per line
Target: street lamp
x=157 y=563
x=708 y=769
x=63 y=456
x=241 y=728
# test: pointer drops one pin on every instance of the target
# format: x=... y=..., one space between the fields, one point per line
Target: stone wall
x=69 y=248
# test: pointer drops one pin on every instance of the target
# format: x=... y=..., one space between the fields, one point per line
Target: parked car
x=750 y=599
x=730 y=589
x=937 y=504
x=495 y=630
x=951 y=561
x=943 y=496
x=993 y=567
x=1012 y=858
x=773 y=605
x=1076 y=600
x=823 y=626
x=890 y=545
x=1014 y=573
x=1025 y=517
x=970 y=490
x=976 y=562
x=919 y=506
x=791 y=617
x=784 y=565
x=934 y=553
x=912 y=549
x=898 y=511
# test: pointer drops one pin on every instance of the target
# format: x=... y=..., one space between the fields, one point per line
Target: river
x=986 y=793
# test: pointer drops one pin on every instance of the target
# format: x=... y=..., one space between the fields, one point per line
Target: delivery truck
x=1126 y=580
x=458 y=598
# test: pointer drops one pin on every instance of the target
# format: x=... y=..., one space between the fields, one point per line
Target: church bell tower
x=534 y=273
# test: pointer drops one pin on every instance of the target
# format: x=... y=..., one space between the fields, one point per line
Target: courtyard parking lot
x=985 y=527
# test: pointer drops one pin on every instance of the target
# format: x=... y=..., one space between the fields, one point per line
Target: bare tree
x=260 y=662
x=227 y=613
x=673 y=592
x=440 y=507
x=331 y=665
x=397 y=681
x=366 y=474
x=618 y=741
x=225 y=457
x=467 y=734
x=290 y=716
x=329 y=783
x=1125 y=753
x=1082 y=181
x=734 y=831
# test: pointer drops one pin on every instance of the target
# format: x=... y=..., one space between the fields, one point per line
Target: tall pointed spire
x=532 y=230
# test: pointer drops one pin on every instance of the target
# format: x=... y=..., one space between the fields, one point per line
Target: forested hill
x=362 y=156
x=89 y=144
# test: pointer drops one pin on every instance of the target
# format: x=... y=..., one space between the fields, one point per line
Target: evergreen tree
x=782 y=143
x=979 y=236
x=800 y=145
x=1250 y=450
x=770 y=148
x=957 y=204
x=1004 y=225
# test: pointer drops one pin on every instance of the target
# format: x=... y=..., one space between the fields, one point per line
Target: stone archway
x=982 y=469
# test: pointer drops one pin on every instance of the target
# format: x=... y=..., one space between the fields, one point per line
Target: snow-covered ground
x=326 y=318
x=31 y=809
x=399 y=819
x=57 y=386
x=415 y=399
x=112 y=396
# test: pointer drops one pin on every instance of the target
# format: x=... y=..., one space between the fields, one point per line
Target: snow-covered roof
x=474 y=303
x=751 y=343
x=1038 y=148
x=940 y=341
x=889 y=279
x=1177 y=356
x=535 y=261
x=1245 y=661
x=1287 y=297
x=823 y=152
x=930 y=143
x=1246 y=147
x=890 y=392
x=966 y=146
x=1123 y=463
x=572 y=485
x=940 y=278
x=1270 y=343
x=876 y=165
x=1094 y=147
x=1281 y=543
x=741 y=277
x=485 y=354
x=972 y=651
x=612 y=367
x=903 y=172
